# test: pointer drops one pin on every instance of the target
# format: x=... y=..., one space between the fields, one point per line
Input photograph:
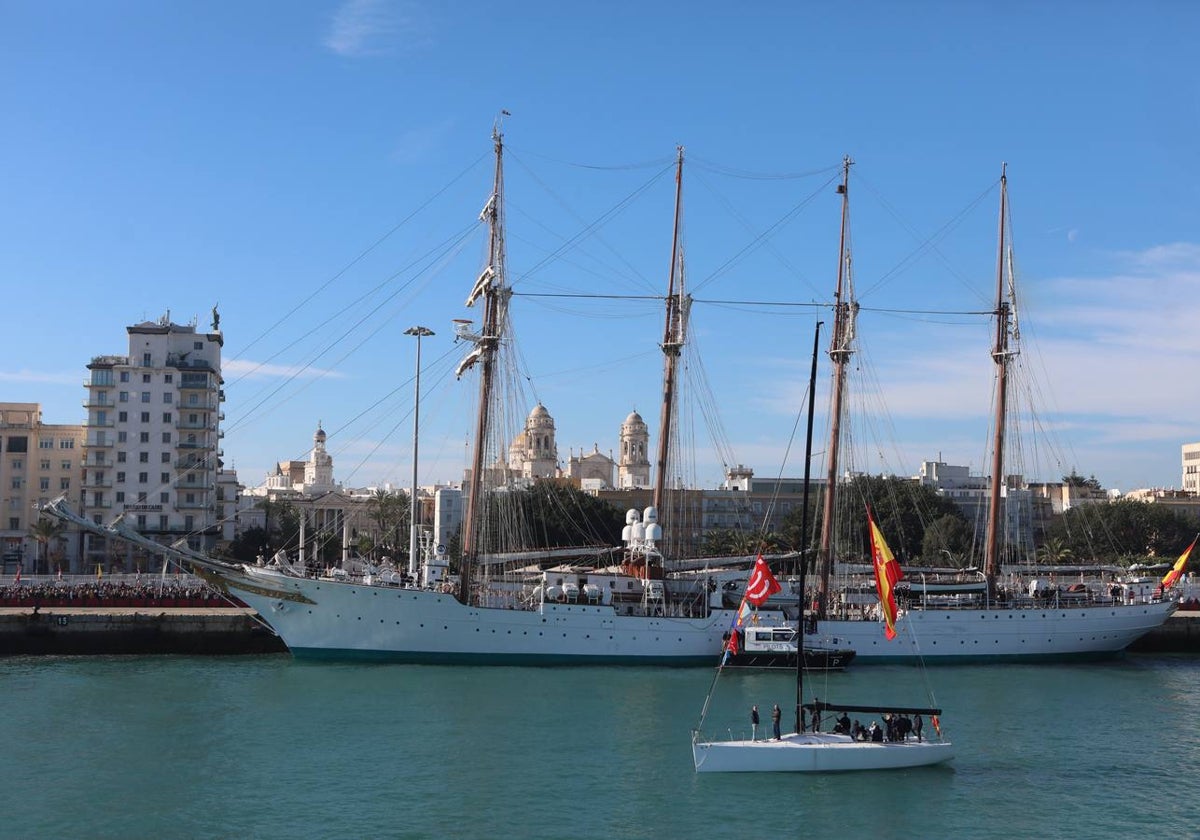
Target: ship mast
x=845 y=309
x=1001 y=356
x=492 y=287
x=672 y=343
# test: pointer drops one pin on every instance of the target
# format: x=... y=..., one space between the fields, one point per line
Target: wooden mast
x=1001 y=356
x=840 y=350
x=672 y=343
x=495 y=296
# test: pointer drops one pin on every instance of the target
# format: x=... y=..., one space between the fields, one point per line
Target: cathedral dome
x=634 y=420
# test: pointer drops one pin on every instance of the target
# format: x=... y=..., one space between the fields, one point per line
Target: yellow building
x=38 y=462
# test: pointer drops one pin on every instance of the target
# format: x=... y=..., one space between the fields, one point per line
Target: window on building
x=166 y=417
x=143 y=437
x=43 y=483
x=66 y=443
x=18 y=443
x=141 y=521
x=45 y=464
x=143 y=478
x=145 y=416
x=46 y=443
x=14 y=523
x=120 y=478
x=124 y=376
x=141 y=497
x=120 y=457
x=191 y=498
x=166 y=438
x=64 y=484
x=165 y=498
x=162 y=522
x=18 y=464
x=193 y=399
x=16 y=484
x=189 y=523
x=168 y=377
x=168 y=397
x=120 y=496
x=145 y=396
x=197 y=345
x=101 y=418
x=143 y=457
x=145 y=363
x=164 y=478
x=66 y=465
x=122 y=437
x=193 y=418
x=123 y=396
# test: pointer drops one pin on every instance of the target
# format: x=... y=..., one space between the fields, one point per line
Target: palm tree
x=45 y=531
x=1054 y=551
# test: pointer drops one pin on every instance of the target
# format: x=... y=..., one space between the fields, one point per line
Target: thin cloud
x=246 y=369
x=42 y=377
x=414 y=145
x=364 y=28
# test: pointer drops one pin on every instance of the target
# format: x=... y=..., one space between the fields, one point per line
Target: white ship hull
x=334 y=620
x=331 y=619
x=979 y=635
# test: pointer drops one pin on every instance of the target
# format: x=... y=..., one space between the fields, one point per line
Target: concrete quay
x=71 y=631
x=1179 y=634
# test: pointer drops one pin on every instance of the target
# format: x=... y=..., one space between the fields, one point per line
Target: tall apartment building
x=152 y=449
x=38 y=463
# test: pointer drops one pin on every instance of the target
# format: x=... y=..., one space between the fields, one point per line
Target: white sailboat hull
x=334 y=620
x=980 y=635
x=816 y=753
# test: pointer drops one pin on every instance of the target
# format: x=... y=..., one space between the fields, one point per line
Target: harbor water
x=268 y=747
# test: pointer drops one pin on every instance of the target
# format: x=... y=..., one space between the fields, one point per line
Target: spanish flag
x=1177 y=570
x=887 y=575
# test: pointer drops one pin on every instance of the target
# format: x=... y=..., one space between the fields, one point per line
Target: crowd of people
x=164 y=592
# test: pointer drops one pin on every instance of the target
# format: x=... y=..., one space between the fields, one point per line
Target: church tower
x=634 y=467
x=541 y=451
x=318 y=470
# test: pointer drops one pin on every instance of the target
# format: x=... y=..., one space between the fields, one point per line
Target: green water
x=268 y=747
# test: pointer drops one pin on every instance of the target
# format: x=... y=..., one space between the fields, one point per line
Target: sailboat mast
x=1000 y=355
x=495 y=297
x=812 y=391
x=840 y=351
x=672 y=342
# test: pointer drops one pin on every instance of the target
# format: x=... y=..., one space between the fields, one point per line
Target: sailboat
x=602 y=613
x=994 y=625
x=813 y=749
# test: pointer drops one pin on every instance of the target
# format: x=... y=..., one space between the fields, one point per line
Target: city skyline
x=315 y=174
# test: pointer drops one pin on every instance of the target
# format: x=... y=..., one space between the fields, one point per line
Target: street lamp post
x=419 y=332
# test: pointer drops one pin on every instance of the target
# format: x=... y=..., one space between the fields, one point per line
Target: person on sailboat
x=754 y=723
x=917 y=724
x=776 y=716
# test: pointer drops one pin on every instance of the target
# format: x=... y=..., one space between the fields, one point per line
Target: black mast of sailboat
x=1000 y=355
x=492 y=286
x=672 y=343
x=812 y=386
x=845 y=308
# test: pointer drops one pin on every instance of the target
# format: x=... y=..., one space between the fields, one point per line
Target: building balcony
x=96 y=424
x=98 y=444
x=191 y=463
x=90 y=506
x=89 y=483
x=102 y=405
x=195 y=447
x=200 y=485
x=197 y=505
x=107 y=361
x=96 y=459
x=197 y=425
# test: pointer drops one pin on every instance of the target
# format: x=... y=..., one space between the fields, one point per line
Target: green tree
x=389 y=511
x=1123 y=531
x=947 y=540
x=1055 y=552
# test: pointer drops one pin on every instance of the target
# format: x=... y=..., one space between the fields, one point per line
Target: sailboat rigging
x=814 y=750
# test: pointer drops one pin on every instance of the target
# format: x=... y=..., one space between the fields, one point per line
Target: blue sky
x=284 y=159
